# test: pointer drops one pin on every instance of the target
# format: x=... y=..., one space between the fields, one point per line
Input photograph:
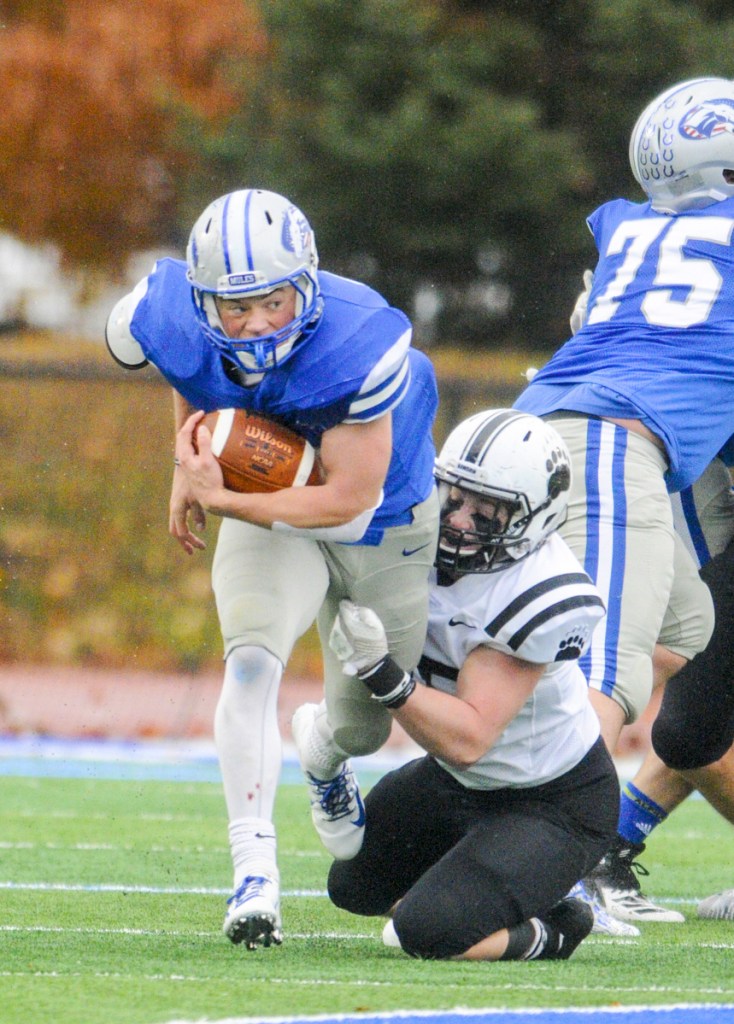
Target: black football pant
x=695 y=724
x=464 y=863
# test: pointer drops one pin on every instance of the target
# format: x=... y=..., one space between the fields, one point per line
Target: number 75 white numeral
x=674 y=269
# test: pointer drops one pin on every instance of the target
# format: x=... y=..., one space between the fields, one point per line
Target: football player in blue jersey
x=472 y=849
x=639 y=393
x=248 y=320
x=693 y=732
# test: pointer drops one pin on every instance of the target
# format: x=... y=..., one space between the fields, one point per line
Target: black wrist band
x=389 y=684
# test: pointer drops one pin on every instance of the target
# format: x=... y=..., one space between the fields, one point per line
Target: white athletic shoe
x=604 y=923
x=253 y=913
x=337 y=810
x=719 y=907
x=615 y=884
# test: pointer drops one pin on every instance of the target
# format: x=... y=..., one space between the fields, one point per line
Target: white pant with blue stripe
x=620 y=527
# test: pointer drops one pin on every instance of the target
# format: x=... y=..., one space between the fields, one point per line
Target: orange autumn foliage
x=89 y=153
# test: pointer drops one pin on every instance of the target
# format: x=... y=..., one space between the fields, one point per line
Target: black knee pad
x=695 y=724
x=418 y=934
x=350 y=889
x=679 y=751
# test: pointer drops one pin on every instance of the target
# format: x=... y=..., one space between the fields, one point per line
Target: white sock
x=253 y=846
x=390 y=936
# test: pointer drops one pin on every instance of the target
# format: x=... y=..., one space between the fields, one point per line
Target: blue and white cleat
x=604 y=923
x=253 y=913
x=337 y=810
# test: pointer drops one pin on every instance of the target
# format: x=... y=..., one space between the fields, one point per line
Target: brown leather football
x=258 y=455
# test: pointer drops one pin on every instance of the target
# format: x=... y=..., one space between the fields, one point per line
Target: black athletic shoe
x=615 y=882
x=566 y=924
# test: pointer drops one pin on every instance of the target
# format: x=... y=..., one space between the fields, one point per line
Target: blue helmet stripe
x=225 y=243
x=248 y=239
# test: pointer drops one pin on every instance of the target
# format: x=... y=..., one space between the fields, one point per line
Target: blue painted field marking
x=695 y=1013
x=145 y=760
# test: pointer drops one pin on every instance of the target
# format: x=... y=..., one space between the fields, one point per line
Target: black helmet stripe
x=485 y=433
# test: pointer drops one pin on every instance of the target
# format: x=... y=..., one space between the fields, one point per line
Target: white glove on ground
x=357 y=638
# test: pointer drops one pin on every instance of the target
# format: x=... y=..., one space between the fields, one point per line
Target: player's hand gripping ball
x=258 y=455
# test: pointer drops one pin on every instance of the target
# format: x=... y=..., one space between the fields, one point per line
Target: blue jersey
x=357 y=365
x=658 y=343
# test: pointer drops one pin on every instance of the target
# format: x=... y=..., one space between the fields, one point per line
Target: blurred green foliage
x=88 y=572
x=459 y=145
x=450 y=149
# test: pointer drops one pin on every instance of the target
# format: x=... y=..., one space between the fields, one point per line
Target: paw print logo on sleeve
x=573 y=645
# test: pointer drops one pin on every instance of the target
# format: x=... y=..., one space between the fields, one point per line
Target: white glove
x=357 y=638
x=578 y=316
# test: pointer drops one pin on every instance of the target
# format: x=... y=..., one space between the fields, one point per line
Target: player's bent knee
x=699 y=627
x=682 y=750
x=249 y=664
x=422 y=936
x=669 y=746
x=349 y=890
x=358 y=740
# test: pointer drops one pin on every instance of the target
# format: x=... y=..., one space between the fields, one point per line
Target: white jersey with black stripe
x=542 y=609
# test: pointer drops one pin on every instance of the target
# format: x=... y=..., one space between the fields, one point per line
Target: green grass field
x=114 y=892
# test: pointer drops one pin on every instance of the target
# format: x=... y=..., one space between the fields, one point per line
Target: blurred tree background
x=446 y=151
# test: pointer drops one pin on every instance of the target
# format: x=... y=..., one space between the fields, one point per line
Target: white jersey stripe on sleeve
x=367 y=403
x=385 y=368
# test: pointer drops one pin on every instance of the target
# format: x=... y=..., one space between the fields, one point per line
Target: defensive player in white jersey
x=471 y=849
x=249 y=321
x=641 y=392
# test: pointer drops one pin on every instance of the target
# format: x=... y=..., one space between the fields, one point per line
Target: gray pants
x=620 y=527
x=271 y=587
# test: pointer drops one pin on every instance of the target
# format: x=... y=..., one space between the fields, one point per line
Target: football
x=258 y=455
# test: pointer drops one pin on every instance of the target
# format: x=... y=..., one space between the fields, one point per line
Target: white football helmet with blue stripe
x=682 y=146
x=246 y=244
x=511 y=458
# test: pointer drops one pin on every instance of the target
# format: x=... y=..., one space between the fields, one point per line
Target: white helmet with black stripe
x=516 y=460
x=245 y=245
